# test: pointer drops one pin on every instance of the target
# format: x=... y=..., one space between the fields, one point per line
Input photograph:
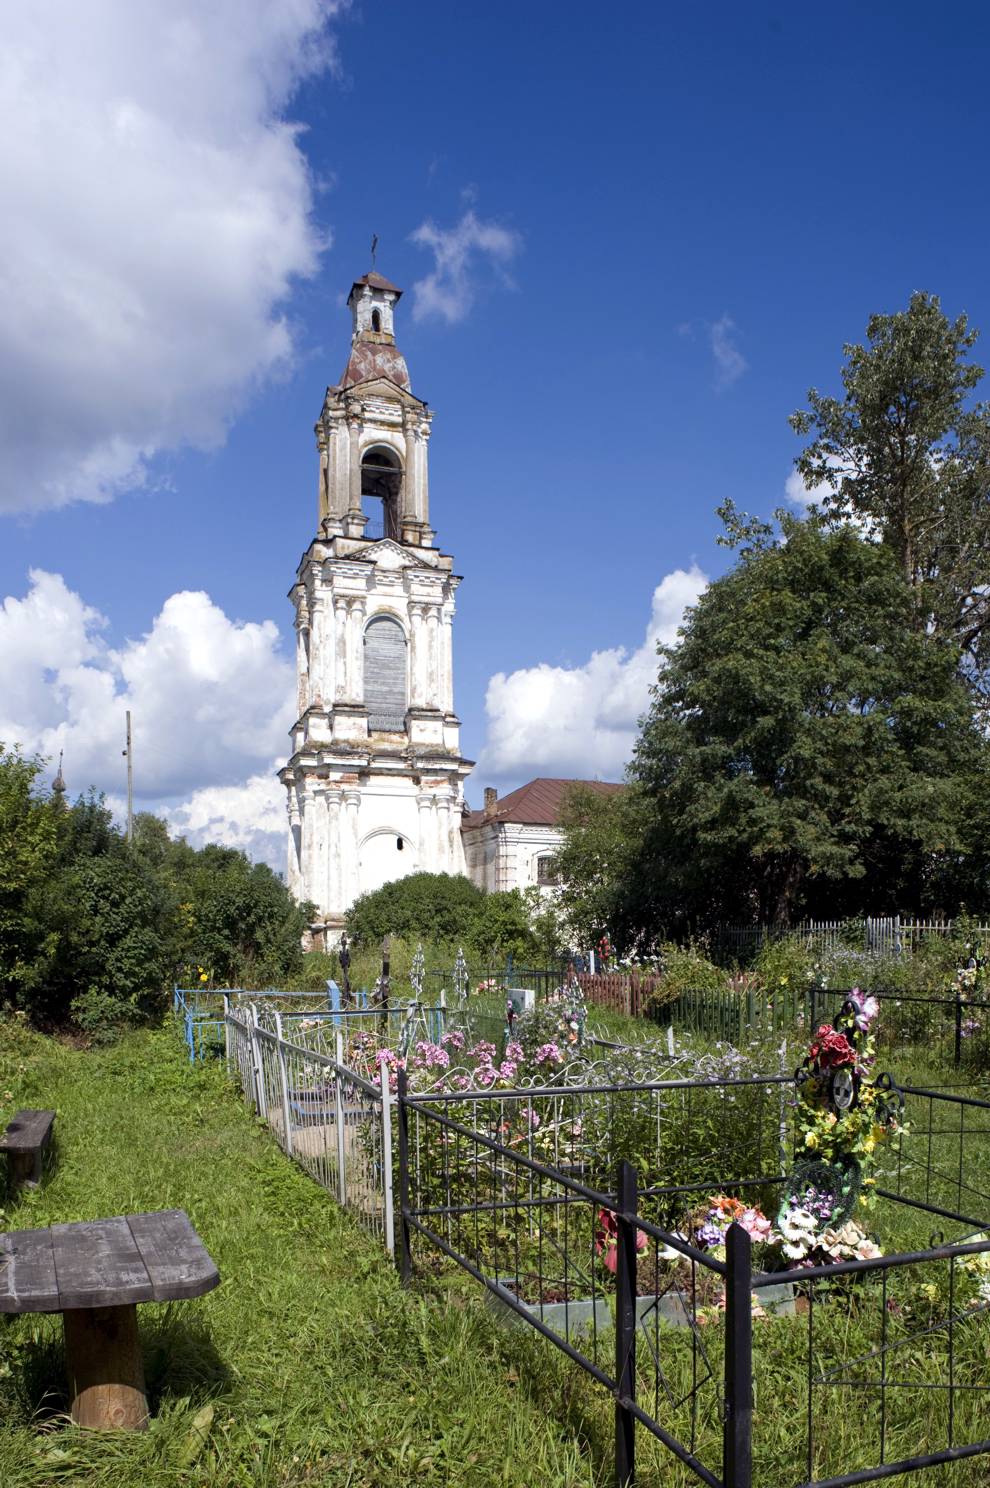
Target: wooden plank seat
x=26 y=1138
x=95 y=1273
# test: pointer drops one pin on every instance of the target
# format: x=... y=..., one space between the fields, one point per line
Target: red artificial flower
x=832 y=1049
x=607 y=1239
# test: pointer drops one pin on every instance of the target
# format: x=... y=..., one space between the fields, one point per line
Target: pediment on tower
x=387 y=554
x=388 y=391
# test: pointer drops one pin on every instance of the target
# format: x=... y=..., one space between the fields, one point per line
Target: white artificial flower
x=797 y=1225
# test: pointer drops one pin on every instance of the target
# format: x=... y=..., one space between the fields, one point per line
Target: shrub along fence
x=600 y=1268
x=954 y=1029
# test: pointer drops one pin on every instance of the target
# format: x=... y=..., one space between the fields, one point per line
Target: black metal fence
x=952 y=1028
x=872 y=1367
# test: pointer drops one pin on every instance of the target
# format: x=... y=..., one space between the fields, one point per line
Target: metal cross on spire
x=374 y=248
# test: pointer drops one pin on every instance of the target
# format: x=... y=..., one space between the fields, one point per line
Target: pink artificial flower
x=756 y=1224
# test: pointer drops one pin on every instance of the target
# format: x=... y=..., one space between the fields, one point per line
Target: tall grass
x=320 y=1369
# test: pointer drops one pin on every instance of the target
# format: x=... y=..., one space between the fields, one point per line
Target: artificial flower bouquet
x=843 y=1114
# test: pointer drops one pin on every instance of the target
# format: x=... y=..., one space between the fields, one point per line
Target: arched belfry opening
x=381 y=491
x=376 y=320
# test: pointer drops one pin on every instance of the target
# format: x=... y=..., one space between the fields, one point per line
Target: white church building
x=375 y=781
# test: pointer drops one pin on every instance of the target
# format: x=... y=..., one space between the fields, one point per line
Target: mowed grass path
x=320 y=1368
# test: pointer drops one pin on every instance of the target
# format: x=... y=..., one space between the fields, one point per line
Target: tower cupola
x=372 y=300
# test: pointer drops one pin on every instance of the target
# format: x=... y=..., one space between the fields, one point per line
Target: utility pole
x=130 y=781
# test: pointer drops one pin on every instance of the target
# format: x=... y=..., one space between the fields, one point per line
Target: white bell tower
x=375 y=781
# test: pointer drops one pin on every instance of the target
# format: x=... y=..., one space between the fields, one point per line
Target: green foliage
x=27 y=854
x=596 y=860
x=808 y=751
x=786 y=961
x=684 y=969
x=444 y=909
x=240 y=923
x=431 y=906
x=93 y=931
x=904 y=456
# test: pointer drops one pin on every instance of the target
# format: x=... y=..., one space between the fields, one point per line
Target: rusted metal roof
x=377 y=281
x=537 y=804
x=371 y=359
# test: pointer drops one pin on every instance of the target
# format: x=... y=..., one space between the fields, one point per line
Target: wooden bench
x=26 y=1138
x=95 y=1273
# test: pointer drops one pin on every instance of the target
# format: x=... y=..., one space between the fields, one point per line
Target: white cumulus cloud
x=581 y=721
x=211 y=701
x=461 y=255
x=250 y=816
x=156 y=210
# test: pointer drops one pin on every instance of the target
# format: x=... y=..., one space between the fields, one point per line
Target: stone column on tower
x=302 y=657
x=295 y=877
x=350 y=840
x=335 y=874
x=447 y=658
x=417 y=666
x=340 y=634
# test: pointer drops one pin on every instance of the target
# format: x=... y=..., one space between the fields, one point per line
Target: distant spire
x=58 y=784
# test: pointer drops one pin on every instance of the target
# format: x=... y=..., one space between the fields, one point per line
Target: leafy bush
x=93 y=930
x=789 y=961
x=428 y=906
x=442 y=909
x=685 y=969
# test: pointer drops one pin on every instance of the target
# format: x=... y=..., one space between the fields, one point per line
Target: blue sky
x=695 y=207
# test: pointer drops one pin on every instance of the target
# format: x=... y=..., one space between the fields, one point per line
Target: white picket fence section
x=333 y=1122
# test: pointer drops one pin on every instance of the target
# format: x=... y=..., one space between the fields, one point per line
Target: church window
x=385 y=675
x=381 y=487
x=399 y=844
x=376 y=320
x=545 y=872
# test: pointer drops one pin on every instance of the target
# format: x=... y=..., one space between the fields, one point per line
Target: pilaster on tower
x=376 y=778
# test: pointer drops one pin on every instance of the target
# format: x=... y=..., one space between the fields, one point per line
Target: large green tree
x=808 y=748
x=905 y=453
x=595 y=863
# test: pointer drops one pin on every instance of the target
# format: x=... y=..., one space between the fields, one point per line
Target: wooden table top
x=154 y=1257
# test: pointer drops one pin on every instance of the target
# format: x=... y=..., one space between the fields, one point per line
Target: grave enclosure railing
x=332 y=1120
x=529 y=1193
x=587 y=1251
